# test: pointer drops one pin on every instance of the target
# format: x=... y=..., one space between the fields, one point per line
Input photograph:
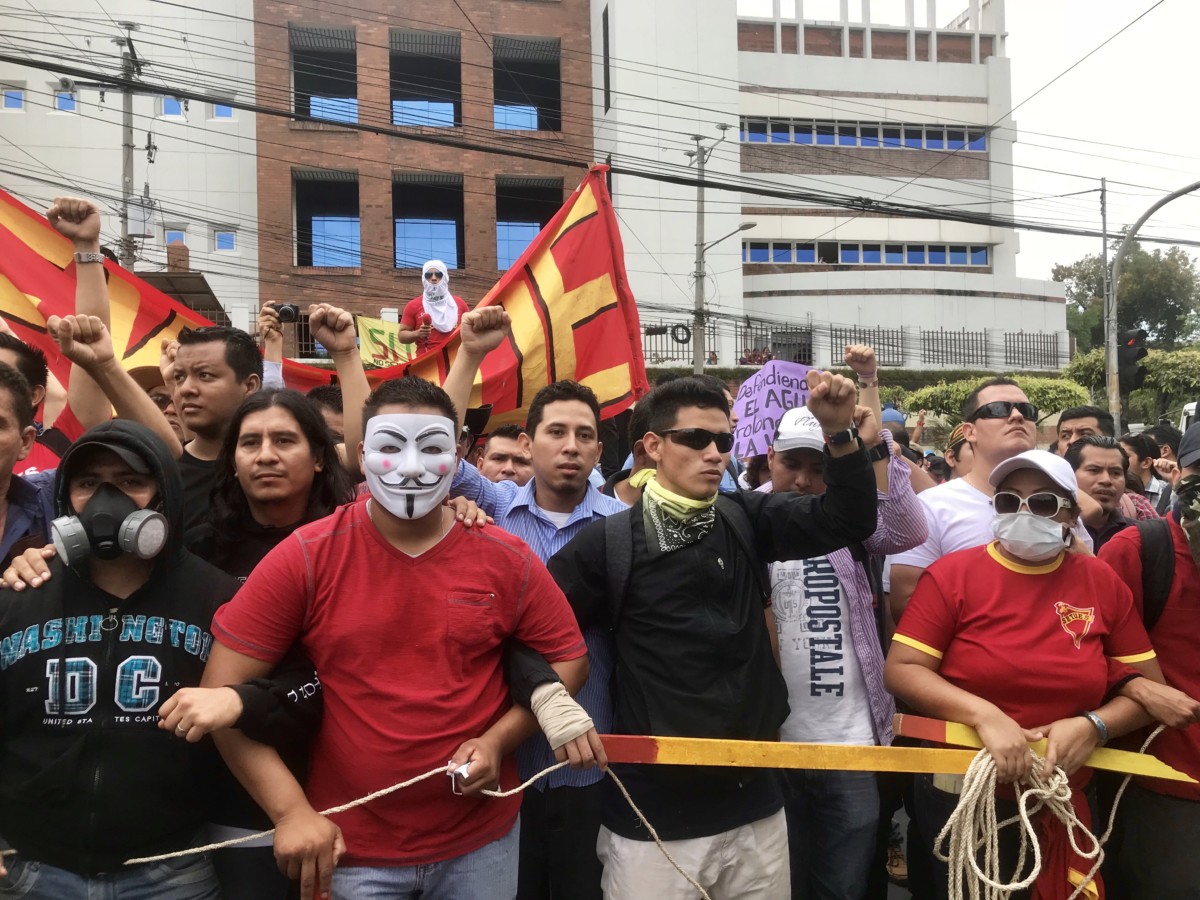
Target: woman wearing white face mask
x=1013 y=639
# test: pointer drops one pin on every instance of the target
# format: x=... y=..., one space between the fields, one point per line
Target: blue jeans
x=489 y=873
x=186 y=878
x=832 y=819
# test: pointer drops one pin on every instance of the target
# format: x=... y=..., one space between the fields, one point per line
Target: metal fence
x=666 y=343
x=1031 y=350
x=956 y=348
x=888 y=342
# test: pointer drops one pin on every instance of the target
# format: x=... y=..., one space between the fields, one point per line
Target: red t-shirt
x=1031 y=639
x=412 y=315
x=41 y=458
x=409 y=651
x=1176 y=636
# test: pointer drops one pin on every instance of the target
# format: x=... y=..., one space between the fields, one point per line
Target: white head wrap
x=439 y=303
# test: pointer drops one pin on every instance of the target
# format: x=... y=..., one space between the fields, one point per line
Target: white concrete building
x=62 y=135
x=865 y=100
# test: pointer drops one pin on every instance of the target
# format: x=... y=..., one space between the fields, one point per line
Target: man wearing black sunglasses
x=680 y=581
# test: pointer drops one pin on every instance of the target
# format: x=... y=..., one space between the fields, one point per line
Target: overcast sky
x=1138 y=93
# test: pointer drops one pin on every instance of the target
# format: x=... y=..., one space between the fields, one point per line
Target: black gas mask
x=109 y=524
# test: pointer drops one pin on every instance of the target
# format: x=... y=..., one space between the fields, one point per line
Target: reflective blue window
x=418 y=240
x=916 y=254
x=958 y=255
x=174 y=236
x=64 y=101
x=511 y=240
x=979 y=256
x=868 y=135
x=335 y=240
x=847 y=135
x=172 y=106
x=760 y=252
x=891 y=136
x=826 y=134
x=781 y=133
x=225 y=241
x=14 y=98
x=802 y=133
x=956 y=139
x=423 y=112
x=871 y=253
x=515 y=118
x=935 y=137
x=221 y=111
x=781 y=253
x=335 y=109
x=913 y=137
x=894 y=254
x=848 y=253
x=756 y=132
x=976 y=140
x=937 y=254
x=806 y=253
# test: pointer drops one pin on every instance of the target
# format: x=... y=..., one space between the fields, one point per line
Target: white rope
x=441 y=770
x=973 y=826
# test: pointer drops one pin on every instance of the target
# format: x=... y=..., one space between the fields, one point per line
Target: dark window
x=976 y=140
x=935 y=137
x=806 y=253
x=427 y=213
x=607 y=74
x=937 y=254
x=956 y=139
x=781 y=132
x=847 y=135
x=894 y=254
x=523 y=207
x=826 y=134
x=849 y=253
x=802 y=132
x=756 y=132
x=781 y=253
x=325 y=73
x=527 y=83
x=868 y=135
x=871 y=253
x=913 y=138
x=916 y=254
x=827 y=252
x=891 y=136
x=958 y=255
x=760 y=252
x=979 y=256
x=426 y=78
x=327 y=223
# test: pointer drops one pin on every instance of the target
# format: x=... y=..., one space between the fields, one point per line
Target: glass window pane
x=515 y=118
x=802 y=132
x=806 y=253
x=174 y=236
x=891 y=136
x=423 y=112
x=825 y=133
x=976 y=140
x=916 y=254
x=894 y=253
x=511 y=240
x=871 y=253
x=760 y=252
x=220 y=111
x=781 y=132
x=935 y=137
x=756 y=132
x=868 y=135
x=64 y=101
x=420 y=239
x=979 y=256
x=956 y=139
x=937 y=254
x=335 y=241
x=847 y=135
x=913 y=137
x=335 y=109
x=958 y=255
x=14 y=98
x=172 y=106
x=225 y=241
x=781 y=253
x=848 y=253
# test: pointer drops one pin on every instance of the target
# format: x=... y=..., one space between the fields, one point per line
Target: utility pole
x=701 y=155
x=130 y=68
x=1112 y=382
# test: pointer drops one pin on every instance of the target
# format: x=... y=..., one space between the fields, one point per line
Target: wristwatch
x=842 y=437
x=89 y=258
x=878 y=452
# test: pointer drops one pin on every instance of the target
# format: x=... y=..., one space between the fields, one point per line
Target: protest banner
x=763 y=397
x=379 y=344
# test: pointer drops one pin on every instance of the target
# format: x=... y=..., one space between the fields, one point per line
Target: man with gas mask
x=405 y=616
x=87 y=778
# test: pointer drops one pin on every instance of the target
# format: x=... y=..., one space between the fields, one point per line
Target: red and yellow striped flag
x=573 y=316
x=37 y=280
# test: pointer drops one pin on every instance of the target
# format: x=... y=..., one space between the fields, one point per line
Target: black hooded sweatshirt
x=87 y=779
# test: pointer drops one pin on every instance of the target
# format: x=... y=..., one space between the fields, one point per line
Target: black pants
x=559 y=827
x=1155 y=850
x=250 y=873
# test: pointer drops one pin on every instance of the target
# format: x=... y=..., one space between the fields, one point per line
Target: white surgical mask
x=1030 y=537
x=409 y=460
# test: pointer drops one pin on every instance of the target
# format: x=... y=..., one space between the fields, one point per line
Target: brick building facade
x=347 y=215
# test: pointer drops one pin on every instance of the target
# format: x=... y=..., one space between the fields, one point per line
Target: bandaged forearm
x=560 y=718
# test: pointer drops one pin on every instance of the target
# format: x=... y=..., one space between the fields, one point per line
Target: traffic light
x=1130 y=353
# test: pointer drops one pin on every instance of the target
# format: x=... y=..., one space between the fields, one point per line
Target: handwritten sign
x=762 y=399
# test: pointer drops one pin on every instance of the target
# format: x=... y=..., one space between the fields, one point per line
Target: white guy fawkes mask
x=409 y=460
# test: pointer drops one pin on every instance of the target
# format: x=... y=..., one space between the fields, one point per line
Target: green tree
x=1084 y=284
x=1049 y=395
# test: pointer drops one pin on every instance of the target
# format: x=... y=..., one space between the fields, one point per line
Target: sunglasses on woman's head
x=700 y=438
x=1002 y=409
x=1044 y=504
x=433 y=275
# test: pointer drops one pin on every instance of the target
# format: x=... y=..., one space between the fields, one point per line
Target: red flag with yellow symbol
x=37 y=280
x=573 y=317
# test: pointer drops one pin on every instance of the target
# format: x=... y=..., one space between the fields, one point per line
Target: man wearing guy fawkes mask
x=87 y=778
x=406 y=617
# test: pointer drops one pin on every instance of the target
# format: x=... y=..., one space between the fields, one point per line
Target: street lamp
x=698 y=313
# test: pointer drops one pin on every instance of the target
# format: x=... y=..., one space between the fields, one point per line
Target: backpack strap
x=743 y=532
x=1158 y=567
x=618 y=561
x=54 y=440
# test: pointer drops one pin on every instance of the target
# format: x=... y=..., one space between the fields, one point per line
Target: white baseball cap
x=1056 y=467
x=798 y=429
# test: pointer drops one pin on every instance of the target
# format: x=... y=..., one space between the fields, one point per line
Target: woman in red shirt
x=1012 y=638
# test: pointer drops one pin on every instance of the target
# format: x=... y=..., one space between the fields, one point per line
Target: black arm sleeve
x=580 y=571
x=526 y=670
x=284 y=709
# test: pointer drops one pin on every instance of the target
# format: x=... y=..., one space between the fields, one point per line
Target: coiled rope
x=973 y=826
